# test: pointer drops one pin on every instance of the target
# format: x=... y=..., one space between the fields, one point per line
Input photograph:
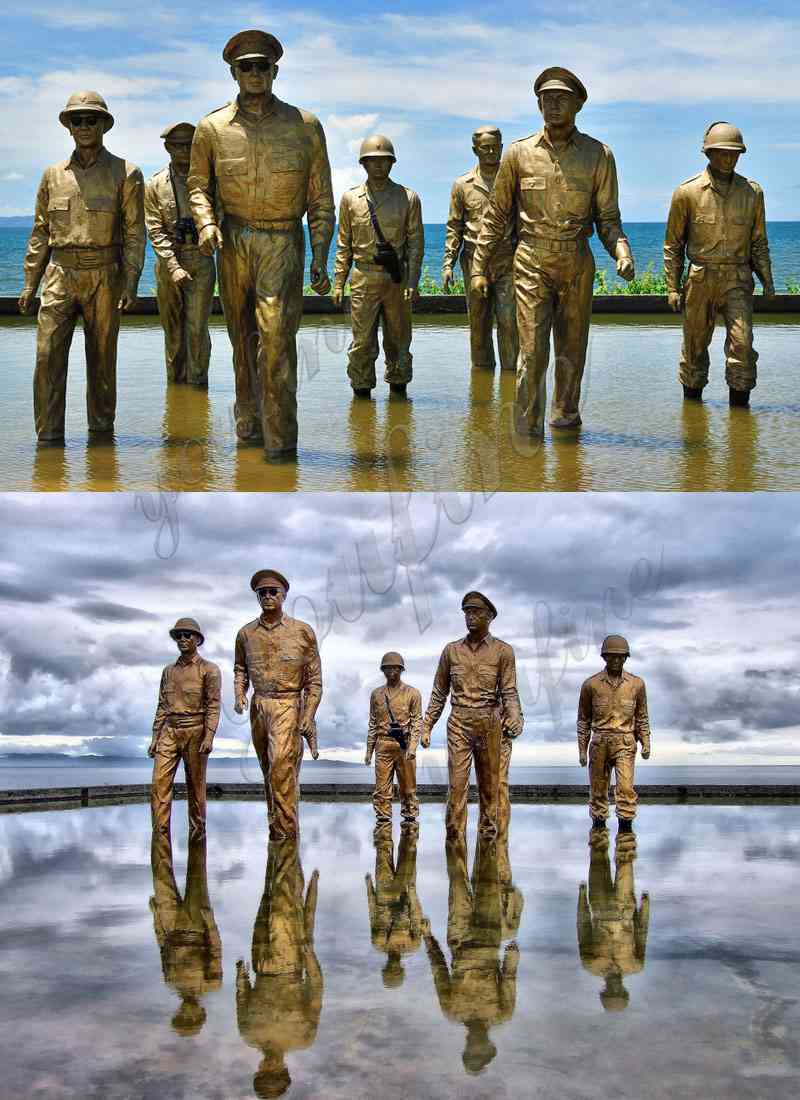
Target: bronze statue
x=395 y=914
x=278 y=656
x=479 y=673
x=186 y=720
x=717 y=220
x=381 y=237
x=395 y=718
x=187 y=934
x=612 y=930
x=278 y=1009
x=468 y=200
x=558 y=184
x=88 y=242
x=477 y=989
x=260 y=164
x=613 y=711
x=185 y=278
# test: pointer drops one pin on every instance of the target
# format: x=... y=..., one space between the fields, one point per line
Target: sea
x=647 y=239
x=31 y=774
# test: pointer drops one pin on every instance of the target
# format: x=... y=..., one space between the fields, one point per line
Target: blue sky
x=656 y=74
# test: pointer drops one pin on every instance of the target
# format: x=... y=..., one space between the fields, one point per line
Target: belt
x=475 y=710
x=719 y=263
x=263 y=225
x=362 y=265
x=276 y=694
x=185 y=721
x=77 y=257
x=570 y=245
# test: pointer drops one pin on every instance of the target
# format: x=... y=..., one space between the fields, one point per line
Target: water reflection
x=478 y=989
x=742 y=451
x=278 y=1010
x=187 y=438
x=102 y=463
x=395 y=913
x=50 y=469
x=612 y=931
x=187 y=935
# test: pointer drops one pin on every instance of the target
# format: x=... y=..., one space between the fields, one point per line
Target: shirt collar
x=271 y=626
x=74 y=162
x=707 y=180
x=272 y=109
x=623 y=678
x=484 y=641
x=184 y=662
x=541 y=138
x=477 y=179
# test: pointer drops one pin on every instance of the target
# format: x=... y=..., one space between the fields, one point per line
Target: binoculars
x=185 y=230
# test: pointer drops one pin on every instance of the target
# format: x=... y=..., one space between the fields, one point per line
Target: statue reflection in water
x=612 y=931
x=187 y=935
x=395 y=914
x=478 y=989
x=278 y=1009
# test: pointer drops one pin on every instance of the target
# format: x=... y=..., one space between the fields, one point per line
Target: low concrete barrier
x=456 y=304
x=66 y=798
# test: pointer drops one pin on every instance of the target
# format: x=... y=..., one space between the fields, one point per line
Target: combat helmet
x=722 y=135
x=376 y=146
x=615 y=643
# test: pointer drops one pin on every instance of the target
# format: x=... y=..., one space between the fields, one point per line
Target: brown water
x=453 y=433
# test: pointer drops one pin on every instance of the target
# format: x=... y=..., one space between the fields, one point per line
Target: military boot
x=692 y=393
x=738 y=398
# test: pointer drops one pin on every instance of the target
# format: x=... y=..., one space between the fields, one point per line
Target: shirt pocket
x=578 y=202
x=58 y=208
x=487 y=678
x=193 y=698
x=232 y=177
x=533 y=192
x=288 y=178
x=458 y=677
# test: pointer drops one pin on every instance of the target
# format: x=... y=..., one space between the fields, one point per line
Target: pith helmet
x=615 y=643
x=247 y=45
x=478 y=597
x=187 y=624
x=722 y=135
x=376 y=146
x=263 y=577
x=392 y=658
x=179 y=132
x=558 y=79
x=84 y=102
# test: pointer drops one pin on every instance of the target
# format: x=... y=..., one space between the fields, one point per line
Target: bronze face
x=179 y=155
x=488 y=148
x=255 y=77
x=392 y=674
x=378 y=169
x=723 y=161
x=559 y=109
x=270 y=598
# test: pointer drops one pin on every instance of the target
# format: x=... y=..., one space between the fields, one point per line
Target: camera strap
x=373 y=217
x=389 y=709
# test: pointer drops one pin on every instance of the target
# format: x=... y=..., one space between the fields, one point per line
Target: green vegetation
x=792 y=285
x=649 y=282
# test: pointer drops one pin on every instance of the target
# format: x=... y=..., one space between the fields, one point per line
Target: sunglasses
x=258 y=66
x=84 y=120
x=183 y=635
x=268 y=591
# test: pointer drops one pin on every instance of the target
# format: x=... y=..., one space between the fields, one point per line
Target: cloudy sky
x=657 y=76
x=704 y=586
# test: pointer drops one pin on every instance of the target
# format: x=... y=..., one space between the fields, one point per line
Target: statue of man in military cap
x=468 y=200
x=479 y=674
x=88 y=242
x=558 y=185
x=279 y=658
x=612 y=710
x=395 y=719
x=260 y=164
x=717 y=221
x=185 y=278
x=186 y=720
x=381 y=238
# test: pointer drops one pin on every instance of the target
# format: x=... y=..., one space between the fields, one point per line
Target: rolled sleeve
x=201 y=182
x=584 y=724
x=759 y=244
x=213 y=699
x=156 y=227
x=374 y=725
x=454 y=237
x=344 y=246
x=642 y=720
x=512 y=711
x=312 y=676
x=675 y=242
x=321 y=211
x=133 y=230
x=606 y=207
x=241 y=677
x=414 y=721
x=439 y=691
x=162 y=709
x=415 y=239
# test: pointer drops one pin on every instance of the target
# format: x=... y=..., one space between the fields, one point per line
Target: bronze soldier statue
x=187 y=934
x=479 y=673
x=395 y=914
x=717 y=220
x=558 y=185
x=468 y=199
x=186 y=720
x=612 y=929
x=613 y=711
x=262 y=164
x=381 y=237
x=278 y=1010
x=395 y=718
x=279 y=657
x=88 y=242
x=477 y=989
x=185 y=278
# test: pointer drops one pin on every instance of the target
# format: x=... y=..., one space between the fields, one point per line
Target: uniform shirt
x=609 y=706
x=161 y=213
x=272 y=168
x=278 y=659
x=94 y=207
x=476 y=678
x=468 y=200
x=712 y=225
x=406 y=704
x=189 y=689
x=399 y=213
x=555 y=194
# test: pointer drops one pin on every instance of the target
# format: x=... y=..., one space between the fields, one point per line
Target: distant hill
x=17 y=223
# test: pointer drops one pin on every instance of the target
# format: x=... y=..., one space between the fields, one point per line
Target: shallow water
x=451 y=434
x=705 y=996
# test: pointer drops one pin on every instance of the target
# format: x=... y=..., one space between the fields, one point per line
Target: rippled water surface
x=452 y=433
x=400 y=970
